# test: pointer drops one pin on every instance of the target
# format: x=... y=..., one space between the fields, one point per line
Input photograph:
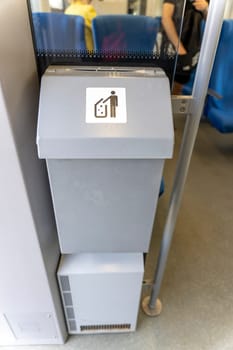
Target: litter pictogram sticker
x=106 y=105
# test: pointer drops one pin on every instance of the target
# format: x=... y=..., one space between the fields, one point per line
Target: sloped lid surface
x=104 y=113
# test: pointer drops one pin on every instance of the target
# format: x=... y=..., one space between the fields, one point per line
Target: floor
x=197 y=291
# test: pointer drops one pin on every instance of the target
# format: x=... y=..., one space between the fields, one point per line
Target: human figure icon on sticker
x=101 y=106
x=113 y=103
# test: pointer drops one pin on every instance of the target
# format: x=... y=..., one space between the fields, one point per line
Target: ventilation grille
x=105 y=327
x=65 y=283
x=66 y=55
x=107 y=58
x=68 y=303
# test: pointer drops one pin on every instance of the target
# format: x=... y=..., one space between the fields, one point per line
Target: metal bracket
x=180 y=104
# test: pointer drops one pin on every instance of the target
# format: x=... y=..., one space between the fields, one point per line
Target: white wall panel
x=29 y=298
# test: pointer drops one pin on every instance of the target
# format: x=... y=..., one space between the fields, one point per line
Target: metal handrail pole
x=151 y=305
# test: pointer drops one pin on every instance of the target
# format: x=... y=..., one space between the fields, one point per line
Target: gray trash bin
x=104 y=134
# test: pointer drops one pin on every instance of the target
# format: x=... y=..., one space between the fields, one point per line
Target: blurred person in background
x=86 y=10
x=188 y=47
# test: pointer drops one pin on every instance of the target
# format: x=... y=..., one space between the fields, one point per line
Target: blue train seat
x=58 y=32
x=219 y=111
x=125 y=33
x=162 y=187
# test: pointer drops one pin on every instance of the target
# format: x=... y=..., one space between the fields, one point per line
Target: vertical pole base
x=156 y=311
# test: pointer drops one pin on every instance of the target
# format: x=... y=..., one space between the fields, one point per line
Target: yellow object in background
x=87 y=11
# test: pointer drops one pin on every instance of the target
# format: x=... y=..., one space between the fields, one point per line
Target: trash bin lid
x=93 y=112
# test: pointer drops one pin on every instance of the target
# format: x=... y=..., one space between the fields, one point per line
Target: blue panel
x=58 y=32
x=125 y=33
x=219 y=111
x=162 y=187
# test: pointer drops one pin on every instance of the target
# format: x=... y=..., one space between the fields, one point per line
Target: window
x=112 y=33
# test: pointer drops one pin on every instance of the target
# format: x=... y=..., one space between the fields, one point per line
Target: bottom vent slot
x=105 y=327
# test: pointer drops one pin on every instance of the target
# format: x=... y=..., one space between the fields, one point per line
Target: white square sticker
x=106 y=105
